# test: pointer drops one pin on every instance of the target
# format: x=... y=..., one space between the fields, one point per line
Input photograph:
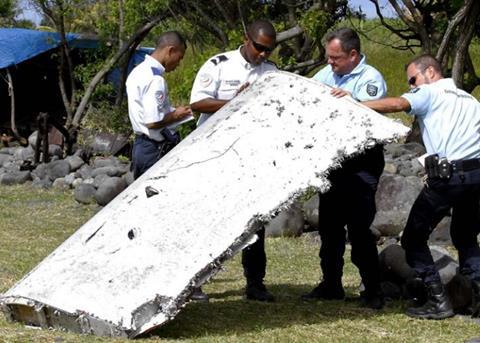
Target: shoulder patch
x=414 y=90
x=160 y=96
x=218 y=59
x=372 y=90
x=156 y=71
x=205 y=79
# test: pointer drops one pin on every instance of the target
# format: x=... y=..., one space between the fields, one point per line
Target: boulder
x=75 y=162
x=109 y=189
x=85 y=193
x=288 y=223
x=15 y=177
x=57 y=169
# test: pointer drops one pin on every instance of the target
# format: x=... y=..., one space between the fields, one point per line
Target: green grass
x=33 y=222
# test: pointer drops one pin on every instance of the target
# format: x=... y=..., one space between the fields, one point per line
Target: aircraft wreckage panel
x=133 y=265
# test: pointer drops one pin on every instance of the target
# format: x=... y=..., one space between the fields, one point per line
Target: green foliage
x=316 y=23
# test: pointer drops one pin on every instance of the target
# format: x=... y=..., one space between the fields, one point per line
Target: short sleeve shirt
x=364 y=82
x=222 y=75
x=147 y=94
x=449 y=119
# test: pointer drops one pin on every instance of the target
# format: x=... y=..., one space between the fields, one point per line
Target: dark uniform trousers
x=461 y=193
x=146 y=152
x=350 y=202
x=254 y=260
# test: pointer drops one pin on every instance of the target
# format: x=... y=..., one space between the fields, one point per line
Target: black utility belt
x=436 y=167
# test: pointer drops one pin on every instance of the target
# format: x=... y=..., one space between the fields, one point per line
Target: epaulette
x=156 y=71
x=218 y=59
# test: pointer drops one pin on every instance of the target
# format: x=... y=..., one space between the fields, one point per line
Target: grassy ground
x=33 y=223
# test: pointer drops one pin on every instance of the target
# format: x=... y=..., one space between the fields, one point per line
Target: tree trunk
x=13 y=125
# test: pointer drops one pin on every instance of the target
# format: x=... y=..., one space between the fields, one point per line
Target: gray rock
x=23 y=154
x=55 y=150
x=60 y=183
x=310 y=210
x=77 y=182
x=42 y=183
x=128 y=177
x=41 y=171
x=4 y=158
x=396 y=192
x=416 y=148
x=109 y=189
x=85 y=172
x=75 y=162
x=441 y=234
x=69 y=179
x=288 y=223
x=85 y=193
x=16 y=177
x=411 y=168
x=57 y=169
x=390 y=223
x=32 y=139
x=390 y=168
x=110 y=171
x=101 y=162
x=99 y=179
x=7 y=151
x=89 y=181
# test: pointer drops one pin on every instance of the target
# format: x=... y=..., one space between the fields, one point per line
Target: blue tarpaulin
x=18 y=45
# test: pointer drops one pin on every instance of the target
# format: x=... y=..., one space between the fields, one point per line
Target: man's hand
x=242 y=88
x=182 y=112
x=339 y=93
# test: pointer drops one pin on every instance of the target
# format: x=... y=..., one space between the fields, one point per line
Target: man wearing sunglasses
x=449 y=120
x=354 y=184
x=218 y=81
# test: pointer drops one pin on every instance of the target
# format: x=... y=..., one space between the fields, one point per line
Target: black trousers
x=350 y=203
x=461 y=194
x=254 y=260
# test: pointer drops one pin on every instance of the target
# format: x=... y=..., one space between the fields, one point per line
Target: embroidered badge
x=414 y=90
x=205 y=80
x=160 y=96
x=372 y=90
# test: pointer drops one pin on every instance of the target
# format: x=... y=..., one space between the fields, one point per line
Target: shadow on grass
x=228 y=313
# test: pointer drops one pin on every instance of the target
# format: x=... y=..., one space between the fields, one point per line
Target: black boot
x=438 y=305
x=198 y=295
x=372 y=299
x=257 y=291
x=325 y=291
x=476 y=298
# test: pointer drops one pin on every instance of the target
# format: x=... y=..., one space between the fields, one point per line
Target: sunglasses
x=413 y=80
x=261 y=48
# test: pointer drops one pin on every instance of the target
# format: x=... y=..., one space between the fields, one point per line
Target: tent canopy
x=18 y=45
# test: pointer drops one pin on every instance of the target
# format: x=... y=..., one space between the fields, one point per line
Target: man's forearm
x=208 y=105
x=388 y=105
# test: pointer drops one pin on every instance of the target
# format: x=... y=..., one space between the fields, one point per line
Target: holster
x=437 y=168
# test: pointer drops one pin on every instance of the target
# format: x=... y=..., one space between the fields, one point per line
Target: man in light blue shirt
x=449 y=121
x=350 y=201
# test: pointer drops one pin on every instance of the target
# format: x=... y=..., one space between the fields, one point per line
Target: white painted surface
x=251 y=158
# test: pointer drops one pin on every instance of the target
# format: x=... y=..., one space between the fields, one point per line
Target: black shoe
x=258 y=292
x=198 y=295
x=325 y=292
x=373 y=300
x=438 y=305
x=476 y=298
